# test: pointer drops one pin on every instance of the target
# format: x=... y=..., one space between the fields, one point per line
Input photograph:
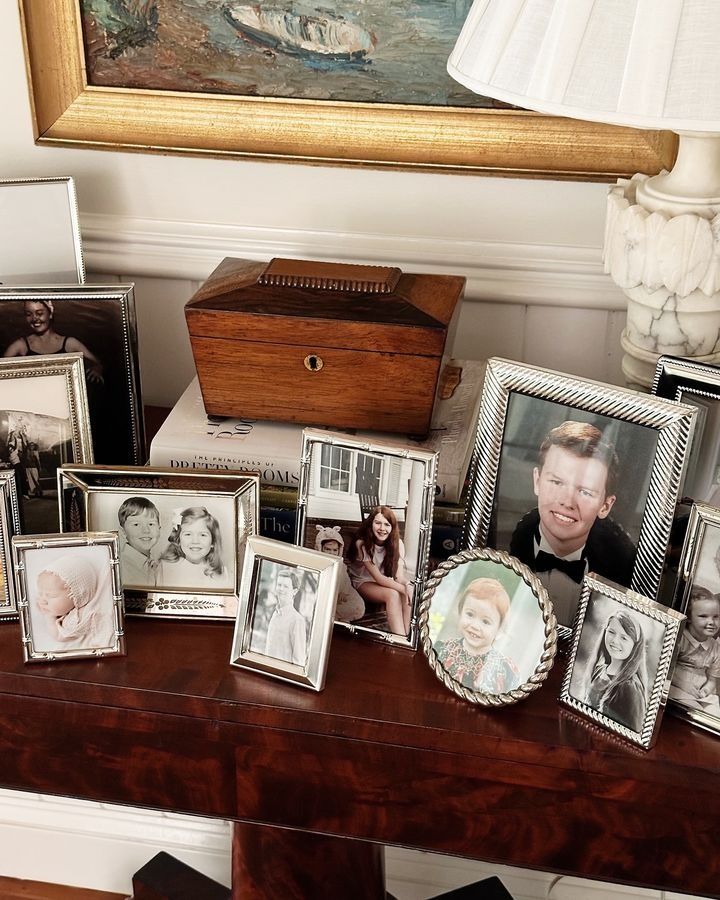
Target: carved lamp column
x=641 y=64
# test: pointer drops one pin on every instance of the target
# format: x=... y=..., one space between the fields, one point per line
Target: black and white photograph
x=98 y=322
x=697 y=384
x=44 y=424
x=487 y=627
x=371 y=506
x=557 y=484
x=71 y=600
x=623 y=647
x=695 y=688
x=9 y=526
x=286 y=609
x=179 y=533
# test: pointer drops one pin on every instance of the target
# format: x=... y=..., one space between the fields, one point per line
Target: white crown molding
x=517 y=273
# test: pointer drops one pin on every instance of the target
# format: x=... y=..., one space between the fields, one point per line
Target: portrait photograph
x=556 y=481
x=9 y=526
x=44 y=423
x=180 y=534
x=623 y=648
x=286 y=609
x=697 y=384
x=371 y=506
x=487 y=627
x=72 y=602
x=98 y=322
x=695 y=688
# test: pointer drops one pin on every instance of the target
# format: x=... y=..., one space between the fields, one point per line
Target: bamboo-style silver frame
x=313 y=438
x=68 y=366
x=676 y=377
x=702 y=518
x=21 y=546
x=550 y=635
x=672 y=421
x=130 y=447
x=39 y=253
x=9 y=526
x=77 y=484
x=326 y=567
x=660 y=679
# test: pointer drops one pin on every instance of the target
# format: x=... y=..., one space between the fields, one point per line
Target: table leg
x=270 y=862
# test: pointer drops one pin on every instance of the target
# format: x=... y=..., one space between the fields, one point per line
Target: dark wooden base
x=295 y=865
x=166 y=878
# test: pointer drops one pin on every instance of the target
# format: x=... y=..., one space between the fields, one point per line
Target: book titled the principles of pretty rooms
x=190 y=439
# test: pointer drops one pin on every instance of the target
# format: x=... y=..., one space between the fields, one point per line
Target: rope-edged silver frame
x=703 y=519
x=672 y=623
x=549 y=646
x=672 y=421
x=9 y=526
x=314 y=438
x=24 y=545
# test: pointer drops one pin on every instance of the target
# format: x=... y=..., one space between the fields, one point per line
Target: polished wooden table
x=384 y=754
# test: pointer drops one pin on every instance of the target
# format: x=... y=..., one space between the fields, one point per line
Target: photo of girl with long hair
x=193 y=556
x=376 y=565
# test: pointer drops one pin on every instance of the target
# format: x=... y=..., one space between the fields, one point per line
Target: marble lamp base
x=666 y=258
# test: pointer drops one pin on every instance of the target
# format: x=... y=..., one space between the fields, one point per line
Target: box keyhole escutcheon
x=313 y=363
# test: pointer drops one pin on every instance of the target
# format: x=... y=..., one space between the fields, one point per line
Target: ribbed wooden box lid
x=326 y=304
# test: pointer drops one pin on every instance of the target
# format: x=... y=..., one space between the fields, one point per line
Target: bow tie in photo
x=574 y=569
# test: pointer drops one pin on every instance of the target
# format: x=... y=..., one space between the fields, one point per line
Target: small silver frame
x=672 y=421
x=325 y=568
x=9 y=526
x=704 y=521
x=22 y=546
x=36 y=230
x=668 y=620
x=480 y=562
x=694 y=383
x=39 y=399
x=89 y=499
x=95 y=314
x=420 y=494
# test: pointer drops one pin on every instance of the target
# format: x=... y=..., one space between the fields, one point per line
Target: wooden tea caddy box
x=323 y=343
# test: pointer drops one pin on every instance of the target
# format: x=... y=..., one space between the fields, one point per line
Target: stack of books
x=190 y=439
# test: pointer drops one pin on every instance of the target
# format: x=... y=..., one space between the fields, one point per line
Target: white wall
x=536 y=291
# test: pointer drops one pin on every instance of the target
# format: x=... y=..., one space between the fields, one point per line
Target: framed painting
x=334 y=82
x=39 y=232
x=97 y=321
x=555 y=481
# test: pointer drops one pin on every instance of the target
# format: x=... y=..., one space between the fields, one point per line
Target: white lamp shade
x=642 y=63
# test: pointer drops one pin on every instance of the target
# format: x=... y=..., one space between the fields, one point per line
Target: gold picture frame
x=67 y=111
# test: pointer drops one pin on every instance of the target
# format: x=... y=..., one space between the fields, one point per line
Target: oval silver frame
x=547 y=657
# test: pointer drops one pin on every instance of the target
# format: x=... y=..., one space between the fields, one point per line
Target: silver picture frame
x=99 y=322
x=627 y=525
x=44 y=423
x=40 y=232
x=487 y=627
x=182 y=534
x=697 y=384
x=344 y=483
x=83 y=572
x=693 y=696
x=9 y=526
x=285 y=617
x=621 y=628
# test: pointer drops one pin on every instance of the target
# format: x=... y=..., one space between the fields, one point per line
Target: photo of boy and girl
x=696 y=677
x=486 y=627
x=282 y=617
x=580 y=504
x=169 y=542
x=70 y=600
x=617 y=658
